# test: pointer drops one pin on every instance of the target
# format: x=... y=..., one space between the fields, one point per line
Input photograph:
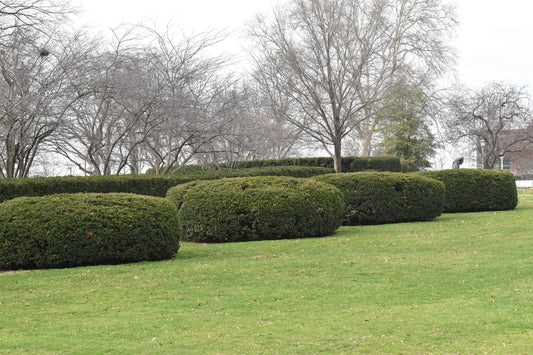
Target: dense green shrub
x=348 y=164
x=381 y=197
x=68 y=230
x=193 y=168
x=178 y=192
x=150 y=185
x=258 y=208
x=471 y=190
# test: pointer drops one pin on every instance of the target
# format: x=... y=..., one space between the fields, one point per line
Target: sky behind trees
x=493 y=40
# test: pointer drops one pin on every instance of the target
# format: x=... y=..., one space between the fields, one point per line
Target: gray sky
x=495 y=41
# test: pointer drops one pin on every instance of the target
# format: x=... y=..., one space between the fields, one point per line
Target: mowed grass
x=460 y=284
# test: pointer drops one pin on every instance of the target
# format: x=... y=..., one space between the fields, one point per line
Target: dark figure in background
x=457 y=162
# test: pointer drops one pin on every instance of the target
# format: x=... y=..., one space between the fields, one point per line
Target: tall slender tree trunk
x=337 y=156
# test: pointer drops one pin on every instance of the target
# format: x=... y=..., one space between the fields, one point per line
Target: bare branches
x=334 y=61
x=34 y=96
x=41 y=15
x=497 y=117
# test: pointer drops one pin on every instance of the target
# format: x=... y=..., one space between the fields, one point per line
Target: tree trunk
x=337 y=163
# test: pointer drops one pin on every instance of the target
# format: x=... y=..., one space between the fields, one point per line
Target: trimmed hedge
x=257 y=208
x=380 y=197
x=69 y=230
x=348 y=164
x=151 y=185
x=178 y=192
x=474 y=190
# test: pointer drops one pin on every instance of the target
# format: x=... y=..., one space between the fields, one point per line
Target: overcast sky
x=494 y=40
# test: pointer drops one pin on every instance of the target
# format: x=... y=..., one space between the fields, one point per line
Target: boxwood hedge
x=472 y=190
x=150 y=185
x=380 y=197
x=258 y=208
x=68 y=230
x=348 y=164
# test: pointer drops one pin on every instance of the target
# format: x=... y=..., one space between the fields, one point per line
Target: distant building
x=519 y=159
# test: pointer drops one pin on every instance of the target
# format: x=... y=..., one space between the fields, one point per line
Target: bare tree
x=332 y=61
x=41 y=15
x=254 y=130
x=34 y=97
x=415 y=50
x=194 y=102
x=496 y=119
x=116 y=112
x=151 y=98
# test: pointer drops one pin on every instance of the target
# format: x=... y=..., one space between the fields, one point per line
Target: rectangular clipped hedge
x=349 y=164
x=151 y=185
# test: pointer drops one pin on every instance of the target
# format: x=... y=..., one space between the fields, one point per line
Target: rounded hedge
x=257 y=208
x=69 y=230
x=474 y=190
x=177 y=193
x=375 y=198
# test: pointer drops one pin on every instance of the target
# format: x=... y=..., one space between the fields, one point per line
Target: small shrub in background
x=380 y=197
x=409 y=166
x=473 y=190
x=258 y=208
x=69 y=230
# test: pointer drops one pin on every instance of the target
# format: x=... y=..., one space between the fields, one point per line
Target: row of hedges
x=83 y=229
x=69 y=230
x=150 y=185
x=348 y=164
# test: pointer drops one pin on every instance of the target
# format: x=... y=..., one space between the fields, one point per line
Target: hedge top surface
x=349 y=164
x=257 y=208
x=151 y=185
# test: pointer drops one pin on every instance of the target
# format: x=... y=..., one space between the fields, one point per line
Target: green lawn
x=460 y=284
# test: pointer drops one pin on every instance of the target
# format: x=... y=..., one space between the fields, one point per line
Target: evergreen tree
x=406 y=133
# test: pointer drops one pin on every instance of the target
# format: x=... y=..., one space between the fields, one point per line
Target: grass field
x=460 y=284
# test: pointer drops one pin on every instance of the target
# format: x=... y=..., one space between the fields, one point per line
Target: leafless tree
x=34 y=97
x=40 y=15
x=117 y=109
x=414 y=50
x=331 y=62
x=193 y=94
x=253 y=129
x=496 y=119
